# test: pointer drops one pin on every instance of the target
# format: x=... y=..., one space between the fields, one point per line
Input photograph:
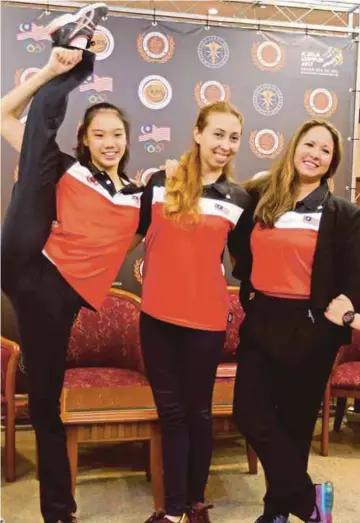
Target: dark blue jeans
x=181 y=366
x=45 y=305
x=284 y=361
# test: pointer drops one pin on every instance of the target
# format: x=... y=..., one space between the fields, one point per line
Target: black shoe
x=76 y=30
x=280 y=518
x=159 y=517
x=156 y=516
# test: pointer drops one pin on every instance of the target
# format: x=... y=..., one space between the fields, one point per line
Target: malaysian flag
x=97 y=83
x=158 y=134
x=33 y=31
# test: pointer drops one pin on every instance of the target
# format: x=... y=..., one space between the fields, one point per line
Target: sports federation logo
x=326 y=63
x=268 y=99
x=102 y=43
x=97 y=83
x=21 y=75
x=266 y=143
x=320 y=102
x=31 y=31
x=268 y=56
x=143 y=176
x=213 y=52
x=211 y=91
x=37 y=47
x=139 y=270
x=155 y=47
x=155 y=92
x=313 y=220
x=150 y=133
x=96 y=98
x=92 y=180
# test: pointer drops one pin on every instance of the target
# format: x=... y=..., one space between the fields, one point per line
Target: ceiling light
x=213 y=11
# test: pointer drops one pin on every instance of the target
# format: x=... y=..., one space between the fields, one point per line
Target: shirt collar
x=98 y=173
x=314 y=201
x=221 y=185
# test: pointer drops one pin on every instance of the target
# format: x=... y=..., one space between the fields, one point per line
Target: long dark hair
x=82 y=152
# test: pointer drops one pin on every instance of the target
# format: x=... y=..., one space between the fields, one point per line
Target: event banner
x=162 y=74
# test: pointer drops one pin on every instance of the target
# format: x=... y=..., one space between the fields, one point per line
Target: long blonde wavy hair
x=184 y=189
x=278 y=189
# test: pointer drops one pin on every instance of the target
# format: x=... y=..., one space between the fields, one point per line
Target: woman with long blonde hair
x=302 y=250
x=187 y=220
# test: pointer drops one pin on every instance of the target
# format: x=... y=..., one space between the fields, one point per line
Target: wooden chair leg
x=325 y=422
x=10 y=473
x=146 y=450
x=339 y=413
x=156 y=467
x=72 y=450
x=252 y=459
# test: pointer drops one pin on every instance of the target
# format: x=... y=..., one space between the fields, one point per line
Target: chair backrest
x=349 y=352
x=236 y=317
x=110 y=337
x=356 y=337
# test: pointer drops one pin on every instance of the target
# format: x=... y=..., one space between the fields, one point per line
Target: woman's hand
x=62 y=60
x=170 y=168
x=337 y=308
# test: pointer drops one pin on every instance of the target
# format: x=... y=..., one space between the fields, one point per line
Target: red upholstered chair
x=225 y=378
x=344 y=383
x=10 y=354
x=106 y=397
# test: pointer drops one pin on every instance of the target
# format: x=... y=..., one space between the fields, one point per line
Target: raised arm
x=14 y=103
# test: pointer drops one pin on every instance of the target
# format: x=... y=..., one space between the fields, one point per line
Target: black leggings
x=181 y=367
x=45 y=304
x=284 y=361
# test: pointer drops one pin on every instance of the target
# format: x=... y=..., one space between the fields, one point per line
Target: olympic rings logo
x=35 y=48
x=151 y=148
x=97 y=98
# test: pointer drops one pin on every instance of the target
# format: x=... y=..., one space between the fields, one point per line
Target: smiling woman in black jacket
x=302 y=250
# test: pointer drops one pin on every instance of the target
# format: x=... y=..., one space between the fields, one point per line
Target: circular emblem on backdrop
x=22 y=75
x=320 y=102
x=139 y=270
x=211 y=91
x=266 y=143
x=102 y=43
x=213 y=51
x=143 y=176
x=268 y=56
x=155 y=92
x=268 y=99
x=155 y=47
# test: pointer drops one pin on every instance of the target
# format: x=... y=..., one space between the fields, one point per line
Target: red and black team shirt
x=183 y=279
x=283 y=255
x=93 y=230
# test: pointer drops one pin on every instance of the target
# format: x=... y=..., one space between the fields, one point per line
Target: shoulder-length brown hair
x=278 y=189
x=184 y=189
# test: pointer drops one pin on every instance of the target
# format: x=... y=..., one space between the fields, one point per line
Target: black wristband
x=348 y=318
